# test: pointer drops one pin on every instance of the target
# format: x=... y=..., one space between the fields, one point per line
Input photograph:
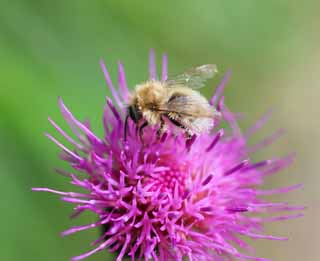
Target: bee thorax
x=151 y=117
x=150 y=94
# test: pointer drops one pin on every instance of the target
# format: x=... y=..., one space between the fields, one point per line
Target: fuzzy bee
x=175 y=100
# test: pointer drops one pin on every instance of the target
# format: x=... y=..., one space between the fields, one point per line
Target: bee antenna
x=125 y=127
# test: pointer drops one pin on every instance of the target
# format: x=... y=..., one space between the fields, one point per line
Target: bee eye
x=134 y=113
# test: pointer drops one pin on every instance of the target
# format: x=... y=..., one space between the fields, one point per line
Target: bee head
x=134 y=113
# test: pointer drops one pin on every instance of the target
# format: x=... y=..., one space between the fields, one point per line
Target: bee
x=175 y=100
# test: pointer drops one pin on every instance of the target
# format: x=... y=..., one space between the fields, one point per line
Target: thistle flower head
x=169 y=198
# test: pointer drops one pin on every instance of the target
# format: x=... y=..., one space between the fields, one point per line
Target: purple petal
x=236 y=168
x=152 y=65
x=215 y=140
x=164 y=76
x=80 y=125
x=267 y=141
x=109 y=83
x=124 y=90
x=219 y=90
x=279 y=190
x=68 y=138
x=65 y=149
x=262 y=121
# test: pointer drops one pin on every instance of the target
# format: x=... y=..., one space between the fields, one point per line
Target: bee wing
x=190 y=105
x=193 y=112
x=195 y=77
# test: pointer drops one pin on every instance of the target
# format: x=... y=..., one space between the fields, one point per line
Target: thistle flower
x=170 y=198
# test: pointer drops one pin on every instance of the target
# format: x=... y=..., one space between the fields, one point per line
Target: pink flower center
x=174 y=178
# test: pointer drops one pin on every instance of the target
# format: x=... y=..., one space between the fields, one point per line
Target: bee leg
x=180 y=125
x=188 y=135
x=160 y=130
x=125 y=128
x=145 y=124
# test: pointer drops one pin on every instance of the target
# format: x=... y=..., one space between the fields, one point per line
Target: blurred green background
x=52 y=48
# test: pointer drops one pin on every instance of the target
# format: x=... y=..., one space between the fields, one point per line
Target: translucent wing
x=195 y=77
x=192 y=112
x=190 y=105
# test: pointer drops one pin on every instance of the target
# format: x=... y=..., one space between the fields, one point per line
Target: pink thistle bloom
x=170 y=198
